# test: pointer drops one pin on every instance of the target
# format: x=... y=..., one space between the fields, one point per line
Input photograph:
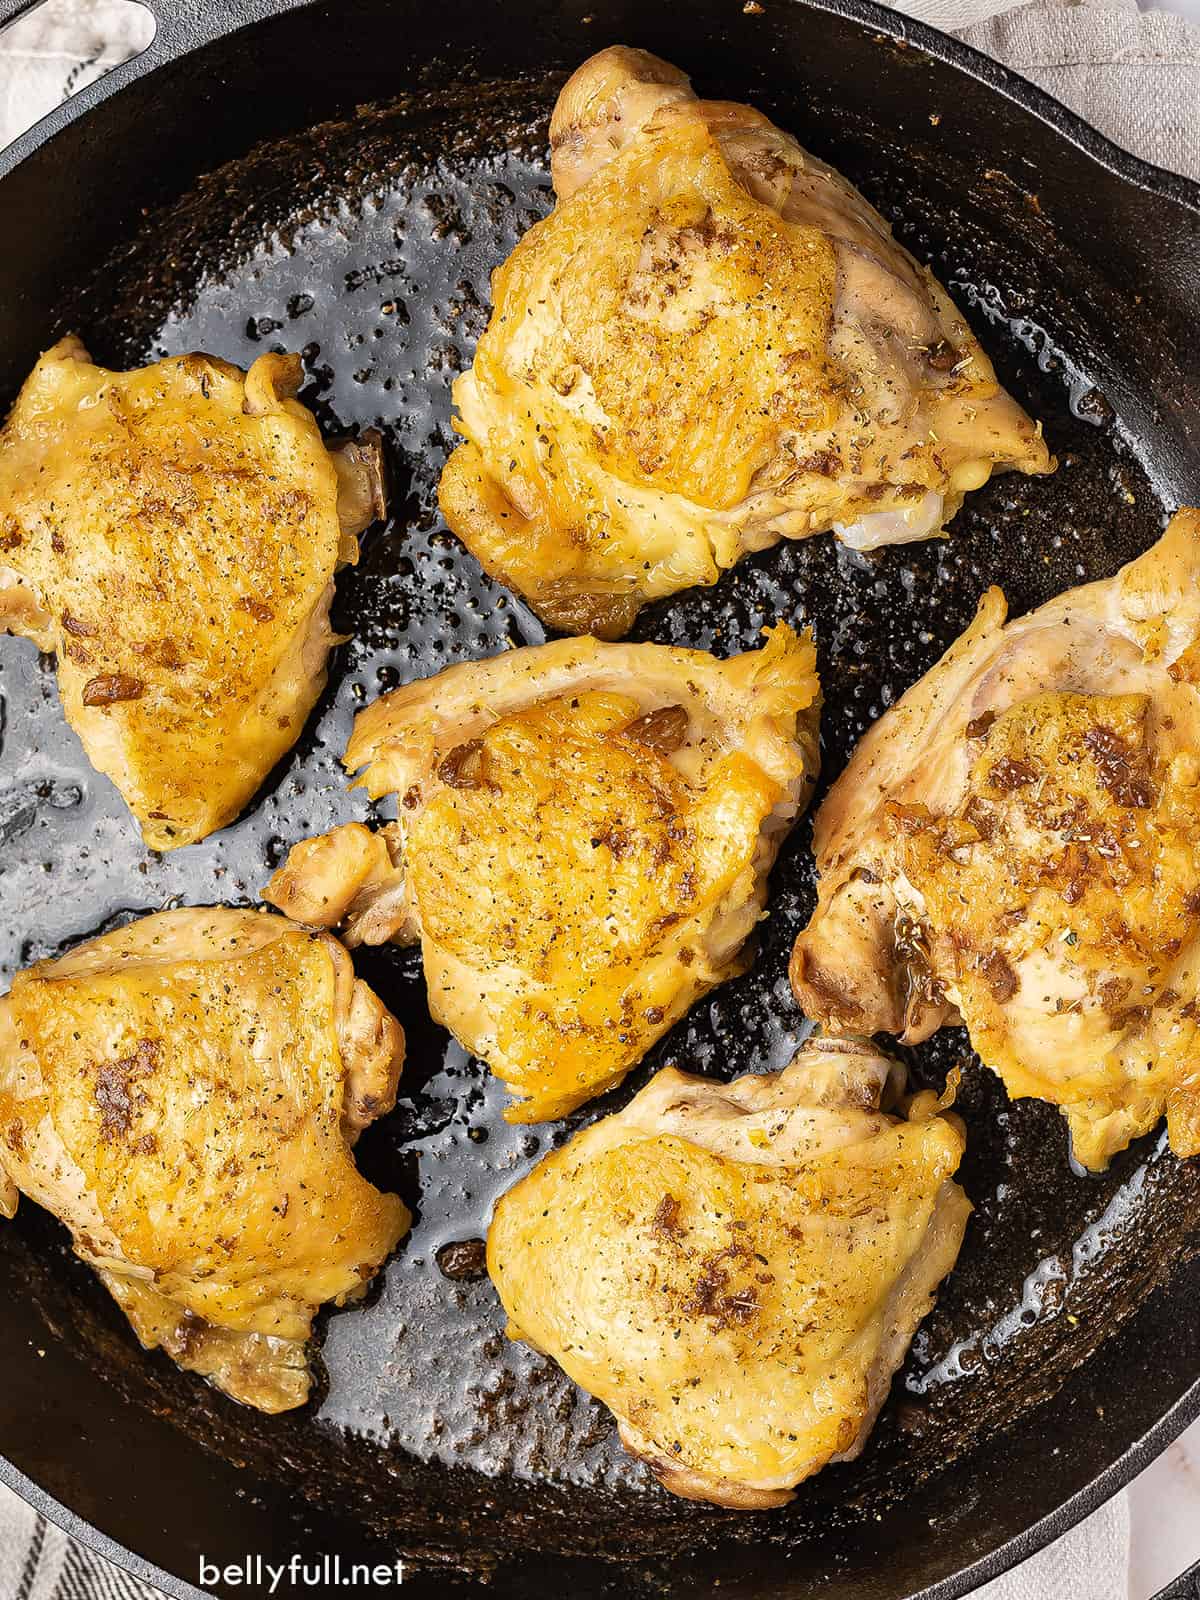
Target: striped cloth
x=1084 y=54
x=39 y=1562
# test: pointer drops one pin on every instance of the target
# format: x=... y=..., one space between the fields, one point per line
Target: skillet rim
x=182 y=28
x=1115 y=1477
x=181 y=31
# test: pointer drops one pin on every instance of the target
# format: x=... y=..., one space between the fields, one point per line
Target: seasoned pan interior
x=366 y=243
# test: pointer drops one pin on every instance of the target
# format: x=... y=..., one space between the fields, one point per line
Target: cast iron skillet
x=339 y=178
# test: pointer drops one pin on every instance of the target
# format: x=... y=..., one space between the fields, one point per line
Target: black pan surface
x=363 y=236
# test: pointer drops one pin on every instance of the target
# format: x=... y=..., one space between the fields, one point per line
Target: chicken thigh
x=1016 y=845
x=736 y=1270
x=582 y=842
x=183 y=1094
x=711 y=344
x=171 y=534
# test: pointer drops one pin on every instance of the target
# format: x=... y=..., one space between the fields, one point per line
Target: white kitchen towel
x=58 y=48
x=1136 y=76
x=1089 y=1563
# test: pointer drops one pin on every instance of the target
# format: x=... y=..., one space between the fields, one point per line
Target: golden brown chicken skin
x=1016 y=845
x=183 y=1094
x=171 y=534
x=737 y=1270
x=582 y=841
x=711 y=344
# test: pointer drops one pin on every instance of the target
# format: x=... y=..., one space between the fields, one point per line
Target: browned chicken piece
x=711 y=344
x=171 y=534
x=1016 y=845
x=582 y=844
x=183 y=1094
x=737 y=1270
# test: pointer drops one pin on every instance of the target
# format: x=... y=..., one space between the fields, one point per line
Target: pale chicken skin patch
x=736 y=1270
x=582 y=841
x=1016 y=844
